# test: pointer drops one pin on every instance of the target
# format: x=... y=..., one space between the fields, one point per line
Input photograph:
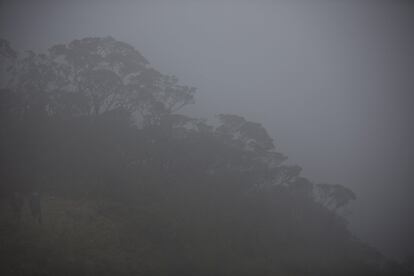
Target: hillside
x=129 y=186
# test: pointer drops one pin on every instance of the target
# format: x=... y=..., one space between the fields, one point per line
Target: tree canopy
x=91 y=124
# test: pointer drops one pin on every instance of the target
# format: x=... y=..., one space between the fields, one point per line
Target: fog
x=331 y=82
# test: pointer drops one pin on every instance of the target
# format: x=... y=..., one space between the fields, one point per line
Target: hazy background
x=330 y=80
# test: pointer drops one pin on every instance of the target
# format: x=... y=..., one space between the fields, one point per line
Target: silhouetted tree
x=153 y=191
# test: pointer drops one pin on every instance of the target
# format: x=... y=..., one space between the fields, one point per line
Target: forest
x=102 y=174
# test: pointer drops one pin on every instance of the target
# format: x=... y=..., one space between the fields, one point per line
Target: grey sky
x=331 y=81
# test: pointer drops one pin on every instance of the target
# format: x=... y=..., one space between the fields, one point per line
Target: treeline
x=91 y=121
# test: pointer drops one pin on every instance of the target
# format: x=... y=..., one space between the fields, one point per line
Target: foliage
x=133 y=188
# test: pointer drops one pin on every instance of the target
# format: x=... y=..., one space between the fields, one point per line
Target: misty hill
x=129 y=186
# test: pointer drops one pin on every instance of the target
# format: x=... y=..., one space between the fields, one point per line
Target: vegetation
x=131 y=187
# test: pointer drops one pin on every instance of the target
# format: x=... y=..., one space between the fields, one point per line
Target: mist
x=330 y=81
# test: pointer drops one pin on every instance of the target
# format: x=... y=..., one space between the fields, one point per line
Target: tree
x=8 y=57
x=245 y=134
x=112 y=74
x=333 y=196
x=93 y=121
